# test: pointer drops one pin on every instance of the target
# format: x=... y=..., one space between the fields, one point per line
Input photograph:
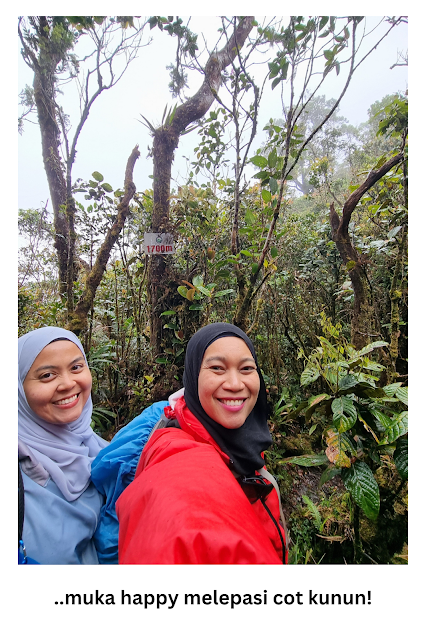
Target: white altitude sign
x=158 y=243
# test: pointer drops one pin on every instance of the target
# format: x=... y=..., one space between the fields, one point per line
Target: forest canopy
x=292 y=225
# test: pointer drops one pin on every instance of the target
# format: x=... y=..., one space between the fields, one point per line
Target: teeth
x=233 y=403
x=67 y=400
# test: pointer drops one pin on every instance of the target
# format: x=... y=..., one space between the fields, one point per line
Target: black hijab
x=245 y=444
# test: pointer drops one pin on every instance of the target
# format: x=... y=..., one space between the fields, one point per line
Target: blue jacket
x=113 y=470
x=57 y=531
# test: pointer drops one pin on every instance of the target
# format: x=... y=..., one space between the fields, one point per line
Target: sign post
x=158 y=243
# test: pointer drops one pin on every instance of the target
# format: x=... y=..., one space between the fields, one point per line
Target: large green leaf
x=197 y=281
x=402 y=394
x=391 y=388
x=381 y=417
x=272 y=158
x=98 y=176
x=266 y=195
x=370 y=347
x=259 y=161
x=313 y=403
x=398 y=427
x=400 y=457
x=295 y=412
x=309 y=375
x=368 y=390
x=225 y=292
x=361 y=483
x=344 y=413
x=308 y=460
x=347 y=382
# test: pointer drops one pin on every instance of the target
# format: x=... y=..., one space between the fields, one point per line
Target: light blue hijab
x=65 y=451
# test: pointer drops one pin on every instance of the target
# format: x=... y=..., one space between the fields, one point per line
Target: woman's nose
x=66 y=381
x=233 y=381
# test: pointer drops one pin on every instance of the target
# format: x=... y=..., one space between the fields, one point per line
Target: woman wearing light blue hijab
x=56 y=448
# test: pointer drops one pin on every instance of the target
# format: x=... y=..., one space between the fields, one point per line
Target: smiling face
x=228 y=382
x=59 y=382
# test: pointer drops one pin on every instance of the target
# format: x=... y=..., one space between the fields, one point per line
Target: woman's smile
x=67 y=402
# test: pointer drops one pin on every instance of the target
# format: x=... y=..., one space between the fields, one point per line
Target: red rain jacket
x=186 y=507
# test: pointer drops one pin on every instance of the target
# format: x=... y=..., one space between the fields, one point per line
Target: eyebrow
x=52 y=366
x=223 y=359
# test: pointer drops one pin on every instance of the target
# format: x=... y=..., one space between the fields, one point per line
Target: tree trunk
x=78 y=322
x=363 y=321
x=161 y=281
x=44 y=97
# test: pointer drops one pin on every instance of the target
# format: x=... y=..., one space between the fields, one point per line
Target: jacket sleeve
x=185 y=507
x=113 y=470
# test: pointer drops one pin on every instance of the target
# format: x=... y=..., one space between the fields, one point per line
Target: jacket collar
x=189 y=423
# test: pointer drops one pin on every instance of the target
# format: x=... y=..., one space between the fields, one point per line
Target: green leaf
x=273 y=185
x=323 y=22
x=391 y=388
x=254 y=267
x=274 y=252
x=402 y=395
x=196 y=307
x=168 y=313
x=259 y=161
x=371 y=346
x=225 y=292
x=266 y=196
x=382 y=418
x=344 y=414
x=400 y=457
x=98 y=176
x=314 y=402
x=309 y=375
x=249 y=217
x=272 y=158
x=171 y=326
x=314 y=511
x=347 y=382
x=368 y=390
x=398 y=427
x=106 y=412
x=246 y=253
x=107 y=187
x=161 y=360
x=204 y=290
x=183 y=291
x=308 y=460
x=197 y=281
x=361 y=483
x=293 y=414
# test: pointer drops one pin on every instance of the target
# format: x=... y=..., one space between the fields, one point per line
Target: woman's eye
x=76 y=367
x=46 y=376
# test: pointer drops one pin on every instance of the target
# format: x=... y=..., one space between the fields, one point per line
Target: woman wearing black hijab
x=199 y=494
